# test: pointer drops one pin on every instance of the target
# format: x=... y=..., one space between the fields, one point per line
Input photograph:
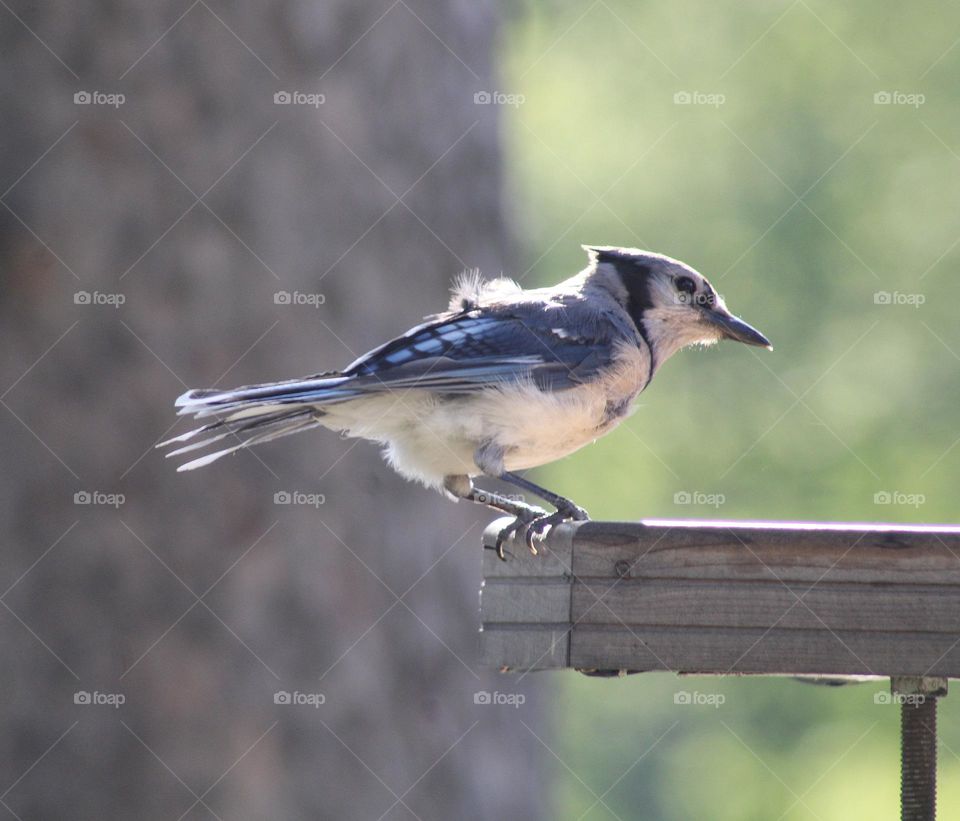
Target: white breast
x=428 y=438
x=535 y=428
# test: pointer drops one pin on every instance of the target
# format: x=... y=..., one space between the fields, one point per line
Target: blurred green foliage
x=805 y=198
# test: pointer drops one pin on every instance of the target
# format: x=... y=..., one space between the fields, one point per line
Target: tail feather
x=323 y=388
x=250 y=433
x=231 y=427
x=256 y=413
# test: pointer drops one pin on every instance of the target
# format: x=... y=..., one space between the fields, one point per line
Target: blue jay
x=506 y=379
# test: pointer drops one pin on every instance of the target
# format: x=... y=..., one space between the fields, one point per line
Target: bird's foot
x=524 y=519
x=535 y=522
x=567 y=511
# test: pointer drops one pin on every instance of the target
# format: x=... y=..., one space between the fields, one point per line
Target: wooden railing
x=767 y=598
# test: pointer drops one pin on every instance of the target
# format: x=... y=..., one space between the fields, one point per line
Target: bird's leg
x=565 y=509
x=562 y=504
x=462 y=488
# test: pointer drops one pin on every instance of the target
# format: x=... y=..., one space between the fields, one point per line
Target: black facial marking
x=635 y=276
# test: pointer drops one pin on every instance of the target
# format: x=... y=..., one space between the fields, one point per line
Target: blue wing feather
x=479 y=346
x=453 y=354
x=458 y=353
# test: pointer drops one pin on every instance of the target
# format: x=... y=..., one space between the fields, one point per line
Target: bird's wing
x=465 y=352
x=455 y=354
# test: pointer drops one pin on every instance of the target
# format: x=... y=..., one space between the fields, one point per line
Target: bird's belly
x=425 y=437
x=543 y=427
x=430 y=436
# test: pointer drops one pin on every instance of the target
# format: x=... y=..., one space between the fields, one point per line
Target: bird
x=506 y=379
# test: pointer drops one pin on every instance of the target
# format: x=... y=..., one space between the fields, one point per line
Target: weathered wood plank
x=693 y=603
x=539 y=602
x=775 y=651
x=722 y=597
x=789 y=551
x=525 y=647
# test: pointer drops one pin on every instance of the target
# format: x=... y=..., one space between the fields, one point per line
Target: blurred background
x=204 y=193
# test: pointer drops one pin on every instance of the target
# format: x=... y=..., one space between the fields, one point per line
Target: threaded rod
x=918 y=758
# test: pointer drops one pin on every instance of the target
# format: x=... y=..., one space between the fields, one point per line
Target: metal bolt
x=918 y=745
x=918 y=759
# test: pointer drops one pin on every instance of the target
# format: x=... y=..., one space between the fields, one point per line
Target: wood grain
x=728 y=597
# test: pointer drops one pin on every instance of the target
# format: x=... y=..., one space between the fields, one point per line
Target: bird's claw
x=536 y=526
x=515 y=526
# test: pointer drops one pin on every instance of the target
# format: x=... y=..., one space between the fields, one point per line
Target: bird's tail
x=256 y=413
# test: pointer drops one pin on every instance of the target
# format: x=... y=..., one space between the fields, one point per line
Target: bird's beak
x=736 y=329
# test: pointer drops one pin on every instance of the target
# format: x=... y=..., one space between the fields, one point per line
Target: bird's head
x=671 y=304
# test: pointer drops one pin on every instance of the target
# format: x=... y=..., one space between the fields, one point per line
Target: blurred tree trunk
x=198 y=597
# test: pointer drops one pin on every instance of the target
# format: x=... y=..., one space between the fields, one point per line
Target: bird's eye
x=685 y=285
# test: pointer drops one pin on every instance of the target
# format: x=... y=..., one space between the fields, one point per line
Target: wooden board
x=727 y=597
